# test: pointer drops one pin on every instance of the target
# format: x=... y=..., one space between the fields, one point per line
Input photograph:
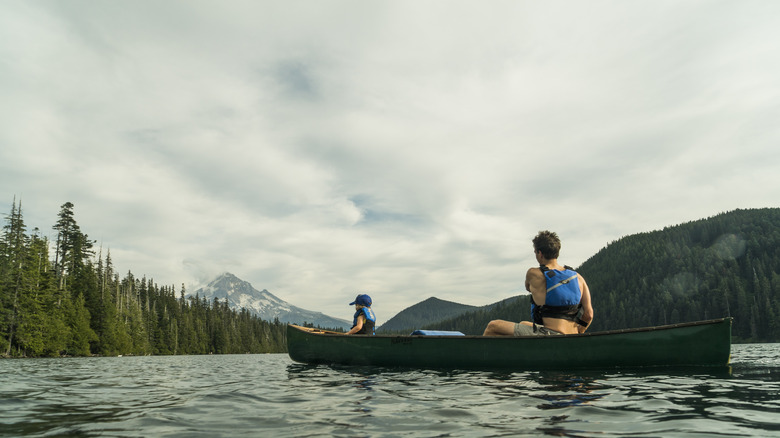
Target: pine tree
x=11 y=275
x=82 y=334
x=12 y=278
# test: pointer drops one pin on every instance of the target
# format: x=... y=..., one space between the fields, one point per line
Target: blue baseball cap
x=362 y=299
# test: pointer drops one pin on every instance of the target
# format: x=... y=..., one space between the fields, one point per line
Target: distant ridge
x=241 y=294
x=424 y=313
x=473 y=322
x=727 y=265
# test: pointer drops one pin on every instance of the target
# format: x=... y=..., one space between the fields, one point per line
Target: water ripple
x=268 y=395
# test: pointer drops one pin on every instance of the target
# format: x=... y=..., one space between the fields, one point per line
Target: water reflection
x=551 y=402
x=564 y=390
x=361 y=379
x=364 y=383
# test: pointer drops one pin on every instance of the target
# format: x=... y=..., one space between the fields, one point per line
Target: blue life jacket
x=368 y=324
x=563 y=296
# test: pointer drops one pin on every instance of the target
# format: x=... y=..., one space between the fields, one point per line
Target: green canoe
x=703 y=343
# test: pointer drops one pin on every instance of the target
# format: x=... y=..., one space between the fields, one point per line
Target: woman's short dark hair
x=548 y=243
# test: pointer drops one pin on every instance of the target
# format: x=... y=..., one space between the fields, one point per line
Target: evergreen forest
x=74 y=303
x=723 y=266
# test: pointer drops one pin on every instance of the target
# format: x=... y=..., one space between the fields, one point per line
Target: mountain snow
x=241 y=294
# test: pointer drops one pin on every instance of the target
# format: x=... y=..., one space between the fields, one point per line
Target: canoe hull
x=705 y=343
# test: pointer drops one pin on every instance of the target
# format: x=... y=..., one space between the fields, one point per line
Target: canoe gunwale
x=320 y=332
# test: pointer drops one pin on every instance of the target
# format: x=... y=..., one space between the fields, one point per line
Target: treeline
x=726 y=265
x=73 y=302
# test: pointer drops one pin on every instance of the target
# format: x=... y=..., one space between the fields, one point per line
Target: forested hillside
x=73 y=302
x=726 y=265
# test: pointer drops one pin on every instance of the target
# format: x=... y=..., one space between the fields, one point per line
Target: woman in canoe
x=560 y=298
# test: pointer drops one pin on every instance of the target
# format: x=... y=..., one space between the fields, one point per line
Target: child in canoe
x=364 y=320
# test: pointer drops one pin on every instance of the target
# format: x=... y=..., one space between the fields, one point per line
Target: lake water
x=269 y=395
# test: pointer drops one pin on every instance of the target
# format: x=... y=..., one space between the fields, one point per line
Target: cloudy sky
x=405 y=149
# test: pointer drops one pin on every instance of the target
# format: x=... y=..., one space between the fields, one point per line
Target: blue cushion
x=436 y=333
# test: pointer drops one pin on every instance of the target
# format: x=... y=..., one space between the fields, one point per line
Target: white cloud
x=400 y=148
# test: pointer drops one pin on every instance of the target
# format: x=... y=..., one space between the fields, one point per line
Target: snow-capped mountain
x=264 y=304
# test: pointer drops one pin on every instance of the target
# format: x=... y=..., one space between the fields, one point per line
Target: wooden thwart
x=316 y=330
